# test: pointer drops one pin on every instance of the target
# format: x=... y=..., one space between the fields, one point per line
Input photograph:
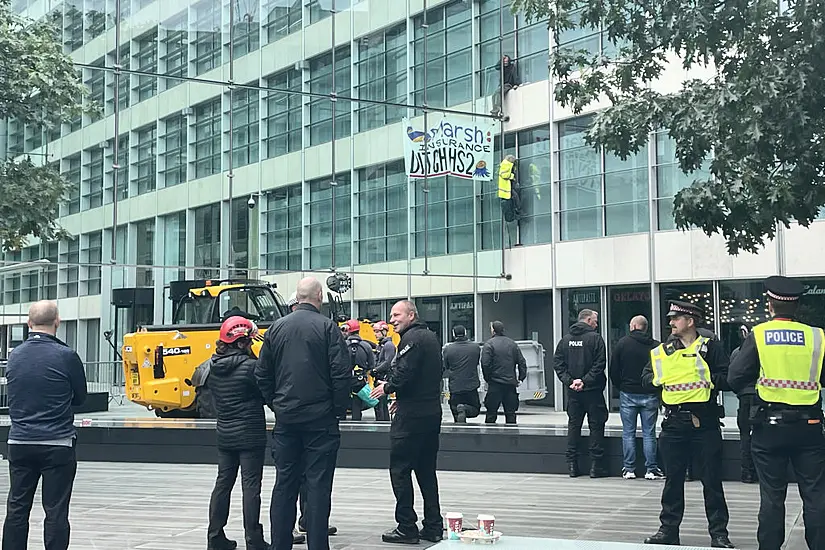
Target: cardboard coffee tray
x=478 y=537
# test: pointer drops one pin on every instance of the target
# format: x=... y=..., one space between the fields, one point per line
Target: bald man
x=45 y=379
x=305 y=377
x=629 y=357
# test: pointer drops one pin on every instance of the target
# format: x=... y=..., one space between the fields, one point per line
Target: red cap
x=380 y=325
x=353 y=325
x=237 y=327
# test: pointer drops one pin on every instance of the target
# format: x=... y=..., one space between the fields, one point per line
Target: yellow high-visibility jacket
x=506 y=175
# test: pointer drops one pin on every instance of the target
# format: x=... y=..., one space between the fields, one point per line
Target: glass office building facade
x=326 y=175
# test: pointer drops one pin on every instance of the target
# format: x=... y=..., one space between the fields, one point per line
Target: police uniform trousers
x=470 y=400
x=303 y=453
x=414 y=442
x=680 y=440
x=591 y=404
x=802 y=445
x=744 y=424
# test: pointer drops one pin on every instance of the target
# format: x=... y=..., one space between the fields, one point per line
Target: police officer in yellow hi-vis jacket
x=785 y=359
x=690 y=369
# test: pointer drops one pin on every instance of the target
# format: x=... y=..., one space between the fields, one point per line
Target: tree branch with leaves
x=757 y=122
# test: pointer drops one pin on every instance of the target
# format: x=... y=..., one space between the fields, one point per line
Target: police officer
x=743 y=413
x=461 y=359
x=415 y=379
x=784 y=359
x=690 y=369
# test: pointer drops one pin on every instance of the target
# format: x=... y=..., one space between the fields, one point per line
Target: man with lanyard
x=690 y=369
x=784 y=358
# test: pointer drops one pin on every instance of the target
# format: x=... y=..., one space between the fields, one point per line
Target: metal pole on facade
x=426 y=189
x=230 y=261
x=334 y=106
x=501 y=124
x=116 y=147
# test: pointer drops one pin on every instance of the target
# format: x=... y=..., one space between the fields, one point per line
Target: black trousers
x=251 y=464
x=470 y=400
x=27 y=464
x=382 y=410
x=579 y=404
x=308 y=456
x=415 y=450
x=679 y=441
x=774 y=447
x=497 y=395
x=744 y=425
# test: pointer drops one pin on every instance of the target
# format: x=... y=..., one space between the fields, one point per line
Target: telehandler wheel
x=177 y=413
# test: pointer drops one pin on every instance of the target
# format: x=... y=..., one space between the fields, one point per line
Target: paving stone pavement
x=164 y=507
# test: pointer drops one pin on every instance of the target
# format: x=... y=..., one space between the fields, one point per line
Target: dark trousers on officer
x=497 y=395
x=27 y=464
x=579 y=404
x=414 y=448
x=744 y=424
x=303 y=454
x=803 y=446
x=251 y=464
x=679 y=440
x=470 y=400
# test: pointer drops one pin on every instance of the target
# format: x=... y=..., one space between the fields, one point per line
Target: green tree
x=758 y=121
x=39 y=87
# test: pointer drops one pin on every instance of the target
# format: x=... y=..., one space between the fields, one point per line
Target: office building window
x=448 y=216
x=11 y=283
x=92 y=255
x=15 y=135
x=123 y=99
x=592 y=40
x=207 y=44
x=700 y=294
x=34 y=138
x=72 y=174
x=95 y=18
x=600 y=194
x=283 y=18
x=121 y=253
x=69 y=333
x=245 y=138
x=240 y=237
x=30 y=280
x=495 y=21
x=321 y=9
x=73 y=25
x=147 y=61
x=247 y=29
x=50 y=274
x=534 y=176
x=95 y=80
x=173 y=157
x=382 y=213
x=145 y=165
x=448 y=56
x=93 y=182
x=92 y=342
x=207 y=240
x=532 y=47
x=489 y=205
x=322 y=229
x=740 y=303
x=670 y=179
x=70 y=265
x=145 y=249
x=283 y=229
x=321 y=109
x=122 y=172
x=382 y=75
x=283 y=121
x=174 y=246
x=175 y=43
x=208 y=138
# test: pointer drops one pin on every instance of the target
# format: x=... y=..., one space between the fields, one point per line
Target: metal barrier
x=101 y=377
x=4 y=396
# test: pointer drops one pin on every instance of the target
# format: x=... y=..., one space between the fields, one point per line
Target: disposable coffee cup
x=487 y=524
x=455 y=523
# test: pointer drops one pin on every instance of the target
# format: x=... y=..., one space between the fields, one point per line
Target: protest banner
x=454 y=146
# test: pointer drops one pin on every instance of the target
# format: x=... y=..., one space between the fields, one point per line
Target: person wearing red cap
x=361 y=356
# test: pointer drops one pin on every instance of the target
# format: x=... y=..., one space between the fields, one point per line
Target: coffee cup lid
x=455 y=515
x=486 y=516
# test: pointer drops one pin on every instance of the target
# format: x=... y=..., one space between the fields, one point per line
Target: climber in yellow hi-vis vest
x=783 y=360
x=690 y=369
x=508 y=189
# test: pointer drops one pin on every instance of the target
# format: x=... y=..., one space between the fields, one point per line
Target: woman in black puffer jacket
x=241 y=429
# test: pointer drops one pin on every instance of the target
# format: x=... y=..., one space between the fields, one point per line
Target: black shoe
x=461 y=415
x=432 y=536
x=224 y=544
x=573 y=469
x=331 y=530
x=721 y=542
x=596 y=472
x=260 y=545
x=397 y=537
x=749 y=477
x=298 y=538
x=663 y=537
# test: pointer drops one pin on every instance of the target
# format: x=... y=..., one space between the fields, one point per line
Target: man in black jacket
x=45 y=379
x=508 y=79
x=461 y=370
x=386 y=353
x=305 y=377
x=362 y=359
x=241 y=432
x=500 y=357
x=579 y=363
x=415 y=379
x=629 y=357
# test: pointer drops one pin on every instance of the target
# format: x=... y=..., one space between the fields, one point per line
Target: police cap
x=783 y=289
x=685 y=308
